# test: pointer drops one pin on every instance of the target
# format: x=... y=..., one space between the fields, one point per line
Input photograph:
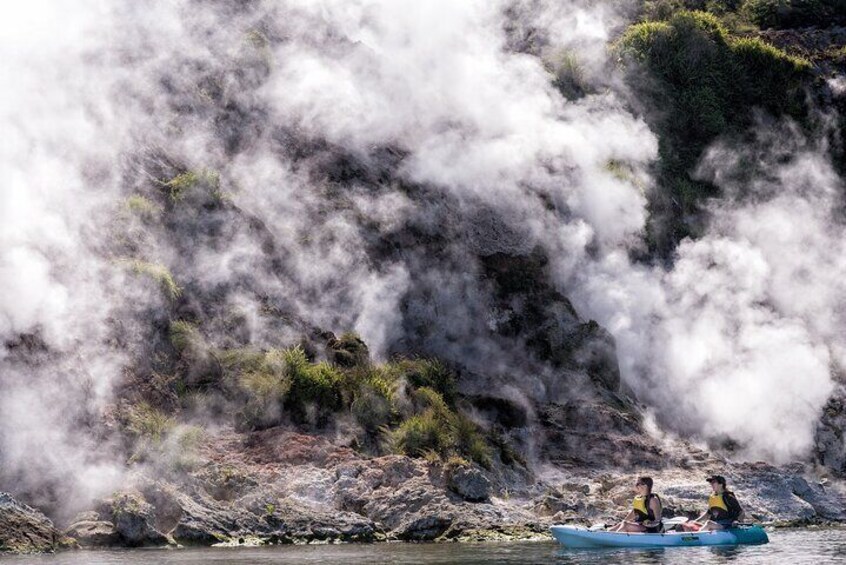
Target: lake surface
x=813 y=546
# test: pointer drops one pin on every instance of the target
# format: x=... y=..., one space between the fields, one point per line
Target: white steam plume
x=741 y=337
x=56 y=167
x=274 y=96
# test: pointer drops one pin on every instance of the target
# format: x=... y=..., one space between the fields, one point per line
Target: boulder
x=470 y=484
x=424 y=528
x=830 y=443
x=133 y=519
x=24 y=529
x=90 y=531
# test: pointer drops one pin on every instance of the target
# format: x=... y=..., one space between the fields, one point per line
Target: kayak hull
x=579 y=537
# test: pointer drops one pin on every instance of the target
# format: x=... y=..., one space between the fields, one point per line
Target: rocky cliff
x=319 y=278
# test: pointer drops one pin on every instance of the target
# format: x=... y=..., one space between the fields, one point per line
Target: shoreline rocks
x=24 y=529
x=249 y=491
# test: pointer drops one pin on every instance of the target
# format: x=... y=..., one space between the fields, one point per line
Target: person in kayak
x=645 y=515
x=723 y=508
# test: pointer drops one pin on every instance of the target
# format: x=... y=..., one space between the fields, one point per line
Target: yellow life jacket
x=716 y=502
x=640 y=504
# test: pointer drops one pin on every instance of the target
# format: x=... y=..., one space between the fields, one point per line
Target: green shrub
x=657 y=10
x=262 y=377
x=266 y=385
x=178 y=186
x=383 y=381
x=436 y=428
x=701 y=82
x=372 y=410
x=712 y=78
x=266 y=392
x=240 y=360
x=145 y=422
x=429 y=373
x=426 y=398
x=794 y=13
x=143 y=207
x=640 y=40
x=423 y=432
x=317 y=385
x=771 y=73
x=184 y=336
x=469 y=441
x=349 y=351
x=569 y=76
x=156 y=272
x=373 y=391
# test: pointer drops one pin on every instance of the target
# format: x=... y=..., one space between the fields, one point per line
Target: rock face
x=89 y=531
x=133 y=517
x=24 y=529
x=126 y=520
x=277 y=486
x=830 y=441
x=470 y=484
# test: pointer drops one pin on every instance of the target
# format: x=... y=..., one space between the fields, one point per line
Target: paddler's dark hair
x=646 y=481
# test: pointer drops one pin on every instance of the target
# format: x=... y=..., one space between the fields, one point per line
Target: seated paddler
x=645 y=514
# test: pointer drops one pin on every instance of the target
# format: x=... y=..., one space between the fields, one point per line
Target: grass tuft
x=158 y=273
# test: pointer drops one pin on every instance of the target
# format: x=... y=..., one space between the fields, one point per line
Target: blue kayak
x=581 y=537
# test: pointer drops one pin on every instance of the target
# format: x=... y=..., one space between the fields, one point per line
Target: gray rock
x=206 y=521
x=94 y=533
x=342 y=496
x=133 y=517
x=470 y=484
x=424 y=528
x=24 y=529
x=830 y=441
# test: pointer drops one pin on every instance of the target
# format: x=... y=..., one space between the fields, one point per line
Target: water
x=818 y=547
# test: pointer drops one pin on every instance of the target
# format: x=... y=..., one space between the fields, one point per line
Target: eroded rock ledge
x=26 y=530
x=284 y=487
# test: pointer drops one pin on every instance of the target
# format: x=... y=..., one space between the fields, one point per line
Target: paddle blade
x=675 y=521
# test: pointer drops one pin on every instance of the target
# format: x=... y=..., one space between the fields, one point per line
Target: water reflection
x=727 y=554
x=651 y=556
x=794 y=547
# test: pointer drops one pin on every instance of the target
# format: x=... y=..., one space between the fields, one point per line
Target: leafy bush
x=424 y=432
x=158 y=273
x=184 y=336
x=349 y=351
x=145 y=422
x=429 y=373
x=373 y=392
x=312 y=392
x=469 y=441
x=701 y=82
x=569 y=74
x=794 y=13
x=426 y=398
x=240 y=360
x=771 y=72
x=317 y=385
x=372 y=410
x=262 y=377
x=178 y=186
x=436 y=428
x=143 y=207
x=266 y=391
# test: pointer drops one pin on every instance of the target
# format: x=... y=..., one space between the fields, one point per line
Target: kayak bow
x=581 y=537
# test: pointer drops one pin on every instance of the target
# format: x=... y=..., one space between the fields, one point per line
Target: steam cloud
x=442 y=110
x=741 y=337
